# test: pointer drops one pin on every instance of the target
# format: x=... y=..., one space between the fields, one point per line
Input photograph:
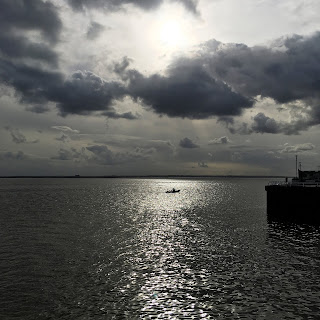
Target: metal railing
x=278 y=183
x=295 y=184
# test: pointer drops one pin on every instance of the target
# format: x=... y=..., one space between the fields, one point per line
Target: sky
x=159 y=87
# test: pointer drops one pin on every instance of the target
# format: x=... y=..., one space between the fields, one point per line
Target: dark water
x=124 y=249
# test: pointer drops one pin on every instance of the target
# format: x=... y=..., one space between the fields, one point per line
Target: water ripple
x=124 y=249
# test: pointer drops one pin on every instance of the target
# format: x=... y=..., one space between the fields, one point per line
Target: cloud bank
x=287 y=71
x=220 y=80
x=188 y=91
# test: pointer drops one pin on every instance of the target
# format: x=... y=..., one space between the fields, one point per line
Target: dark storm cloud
x=191 y=5
x=287 y=71
x=285 y=74
x=188 y=91
x=22 y=57
x=83 y=93
x=21 y=47
x=264 y=124
x=34 y=85
x=18 y=17
x=30 y=15
x=187 y=143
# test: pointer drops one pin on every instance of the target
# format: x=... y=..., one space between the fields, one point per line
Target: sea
x=123 y=248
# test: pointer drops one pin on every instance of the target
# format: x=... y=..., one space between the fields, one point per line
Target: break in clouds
x=220 y=80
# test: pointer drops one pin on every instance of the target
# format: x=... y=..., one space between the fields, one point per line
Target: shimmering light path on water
x=124 y=249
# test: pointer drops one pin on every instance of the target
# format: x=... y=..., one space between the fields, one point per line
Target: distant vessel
x=296 y=200
x=172 y=191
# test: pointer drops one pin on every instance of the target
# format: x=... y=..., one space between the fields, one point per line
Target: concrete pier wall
x=293 y=203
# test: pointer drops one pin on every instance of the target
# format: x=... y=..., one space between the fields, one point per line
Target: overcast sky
x=155 y=87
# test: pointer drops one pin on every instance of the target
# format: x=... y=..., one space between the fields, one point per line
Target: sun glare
x=171 y=34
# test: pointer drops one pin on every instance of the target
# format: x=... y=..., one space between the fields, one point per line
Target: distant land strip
x=142 y=176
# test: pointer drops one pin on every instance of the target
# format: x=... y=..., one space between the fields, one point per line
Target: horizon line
x=145 y=176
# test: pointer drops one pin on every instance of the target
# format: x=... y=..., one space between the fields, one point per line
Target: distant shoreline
x=139 y=177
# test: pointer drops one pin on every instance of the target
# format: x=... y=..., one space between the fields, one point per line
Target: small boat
x=172 y=191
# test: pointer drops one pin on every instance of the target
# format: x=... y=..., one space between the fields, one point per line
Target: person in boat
x=173 y=190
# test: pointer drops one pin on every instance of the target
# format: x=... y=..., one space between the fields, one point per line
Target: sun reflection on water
x=163 y=257
x=176 y=256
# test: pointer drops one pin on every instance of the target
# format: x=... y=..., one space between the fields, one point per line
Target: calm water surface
x=124 y=249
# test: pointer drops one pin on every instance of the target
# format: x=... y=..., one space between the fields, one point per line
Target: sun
x=171 y=34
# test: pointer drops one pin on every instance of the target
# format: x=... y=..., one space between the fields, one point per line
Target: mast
x=296 y=166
